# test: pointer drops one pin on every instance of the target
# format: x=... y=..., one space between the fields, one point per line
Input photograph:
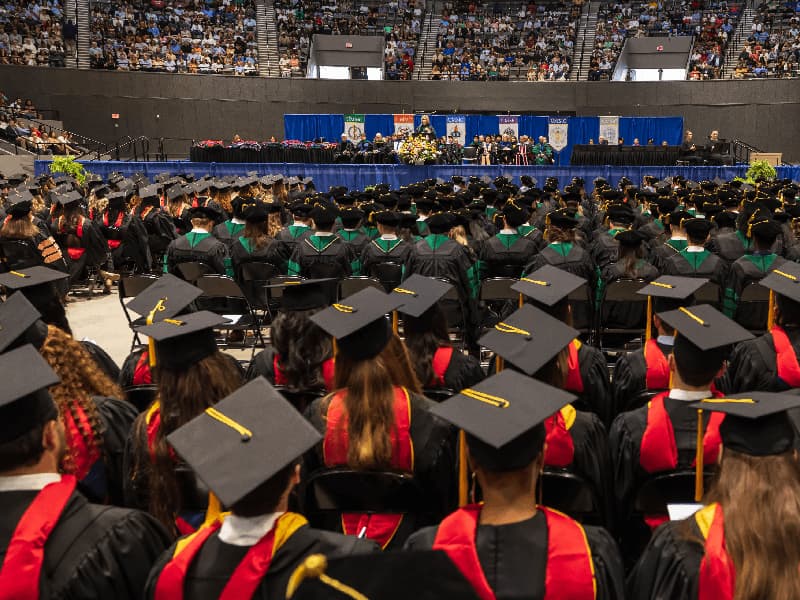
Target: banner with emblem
x=456 y=126
x=354 y=127
x=403 y=124
x=508 y=125
x=609 y=129
x=557 y=130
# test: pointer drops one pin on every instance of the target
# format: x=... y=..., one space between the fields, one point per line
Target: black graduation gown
x=202 y=247
x=642 y=270
x=228 y=232
x=669 y=567
x=630 y=378
x=505 y=255
x=92 y=242
x=216 y=561
x=94 y=552
x=534 y=234
x=160 y=229
x=752 y=365
x=131 y=234
x=45 y=252
x=604 y=249
x=182 y=223
x=661 y=253
x=321 y=256
x=513 y=558
x=241 y=252
x=596 y=396
x=745 y=270
x=357 y=241
x=569 y=257
x=289 y=237
x=697 y=264
x=434 y=462
x=462 y=371
x=380 y=251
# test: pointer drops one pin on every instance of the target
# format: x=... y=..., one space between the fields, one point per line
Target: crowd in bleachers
x=399 y=21
x=32 y=33
x=712 y=32
x=215 y=36
x=501 y=42
x=772 y=48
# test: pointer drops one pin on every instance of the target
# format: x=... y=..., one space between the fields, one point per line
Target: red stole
x=717 y=579
x=569 y=574
x=785 y=358
x=114 y=244
x=328 y=369
x=378 y=527
x=77 y=253
x=79 y=435
x=657 y=377
x=142 y=375
x=560 y=448
x=22 y=567
x=574 y=381
x=441 y=360
x=153 y=420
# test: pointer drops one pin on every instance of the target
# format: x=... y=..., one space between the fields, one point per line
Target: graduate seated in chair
x=198 y=245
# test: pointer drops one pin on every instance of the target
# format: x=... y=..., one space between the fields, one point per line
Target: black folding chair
x=438 y=394
x=657 y=492
x=582 y=305
x=131 y=286
x=191 y=271
x=141 y=396
x=454 y=311
x=710 y=293
x=390 y=274
x=572 y=495
x=300 y=399
x=622 y=314
x=254 y=276
x=752 y=310
x=352 y=285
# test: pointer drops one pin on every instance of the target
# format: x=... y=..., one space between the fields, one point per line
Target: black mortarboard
x=116 y=201
x=254 y=212
x=204 y=212
x=323 y=216
x=24 y=400
x=306 y=294
x=621 y=213
x=698 y=228
x=504 y=414
x=562 y=218
x=548 y=285
x=37 y=284
x=19 y=202
x=20 y=324
x=69 y=198
x=418 y=293
x=182 y=342
x=705 y=327
x=528 y=338
x=358 y=322
x=630 y=238
x=170 y=293
x=672 y=287
x=784 y=281
x=350 y=217
x=300 y=208
x=755 y=423
x=440 y=223
x=388 y=218
x=149 y=192
x=254 y=426
x=175 y=192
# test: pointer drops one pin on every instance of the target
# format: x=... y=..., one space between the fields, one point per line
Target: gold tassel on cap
x=698 y=466
x=151 y=344
x=648 y=329
x=771 y=311
x=463 y=484
x=314 y=567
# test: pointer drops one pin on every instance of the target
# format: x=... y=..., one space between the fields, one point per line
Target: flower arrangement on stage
x=418 y=150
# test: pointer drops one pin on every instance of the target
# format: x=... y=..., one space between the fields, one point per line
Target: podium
x=772 y=158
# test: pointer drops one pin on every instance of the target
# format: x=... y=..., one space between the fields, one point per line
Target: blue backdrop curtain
x=383 y=124
x=311 y=127
x=645 y=128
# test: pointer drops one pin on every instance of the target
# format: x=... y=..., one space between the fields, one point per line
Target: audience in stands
x=31 y=33
x=216 y=36
x=772 y=48
x=712 y=34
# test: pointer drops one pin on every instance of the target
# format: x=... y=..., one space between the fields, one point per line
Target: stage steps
x=584 y=41
x=82 y=10
x=737 y=42
x=267 y=40
x=426 y=48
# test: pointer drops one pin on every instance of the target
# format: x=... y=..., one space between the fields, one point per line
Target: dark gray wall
x=764 y=113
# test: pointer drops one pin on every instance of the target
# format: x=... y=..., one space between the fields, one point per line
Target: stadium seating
x=31 y=33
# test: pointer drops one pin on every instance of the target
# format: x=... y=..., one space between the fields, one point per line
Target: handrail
x=19 y=115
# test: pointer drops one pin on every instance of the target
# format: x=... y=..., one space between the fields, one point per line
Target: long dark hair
x=629 y=257
x=302 y=347
x=256 y=234
x=424 y=336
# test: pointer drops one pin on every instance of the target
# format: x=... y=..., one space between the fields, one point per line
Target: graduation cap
x=176 y=191
x=37 y=284
x=668 y=292
x=204 y=212
x=528 y=338
x=784 y=282
x=19 y=202
x=630 y=238
x=380 y=575
x=180 y=343
x=24 y=400
x=548 y=285
x=419 y=293
x=705 y=327
x=69 y=198
x=306 y=294
x=20 y=323
x=165 y=298
x=254 y=426
x=358 y=322
x=502 y=417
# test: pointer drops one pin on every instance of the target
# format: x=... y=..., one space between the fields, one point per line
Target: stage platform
x=360 y=176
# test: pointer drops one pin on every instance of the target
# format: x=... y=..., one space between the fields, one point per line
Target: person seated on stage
x=756 y=265
x=254 y=243
x=157 y=222
x=677 y=241
x=689 y=151
x=509 y=545
x=191 y=375
x=743 y=542
x=198 y=245
x=604 y=248
x=78 y=550
x=562 y=251
x=255 y=550
x=661 y=437
x=125 y=234
x=85 y=245
x=228 y=231
x=300 y=356
x=630 y=263
x=437 y=363
x=377 y=420
x=695 y=260
x=507 y=253
x=387 y=247
x=323 y=253
x=647 y=370
x=352 y=234
x=363 y=145
x=344 y=150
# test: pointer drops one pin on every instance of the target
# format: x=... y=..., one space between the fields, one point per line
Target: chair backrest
x=352 y=285
x=752 y=310
x=710 y=293
x=131 y=286
x=470 y=152
x=438 y=394
x=570 y=494
x=390 y=274
x=668 y=488
x=325 y=270
x=216 y=286
x=346 y=490
x=191 y=271
x=20 y=254
x=498 y=288
x=254 y=276
x=580 y=300
x=277 y=293
x=300 y=399
x=622 y=307
x=141 y=396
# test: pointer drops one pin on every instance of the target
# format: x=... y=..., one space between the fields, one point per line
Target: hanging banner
x=609 y=130
x=354 y=127
x=508 y=125
x=456 y=126
x=403 y=124
x=557 y=130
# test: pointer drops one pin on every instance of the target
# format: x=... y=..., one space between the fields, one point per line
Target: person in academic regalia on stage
x=191 y=375
x=377 y=418
x=437 y=363
x=254 y=551
x=661 y=437
x=508 y=252
x=695 y=260
x=508 y=546
x=322 y=254
x=53 y=542
x=647 y=369
x=743 y=542
x=198 y=245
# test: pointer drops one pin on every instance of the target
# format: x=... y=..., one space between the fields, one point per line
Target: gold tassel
x=463 y=484
x=314 y=566
x=335 y=349
x=698 y=467
x=500 y=364
x=521 y=301
x=771 y=313
x=648 y=329
x=395 y=324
